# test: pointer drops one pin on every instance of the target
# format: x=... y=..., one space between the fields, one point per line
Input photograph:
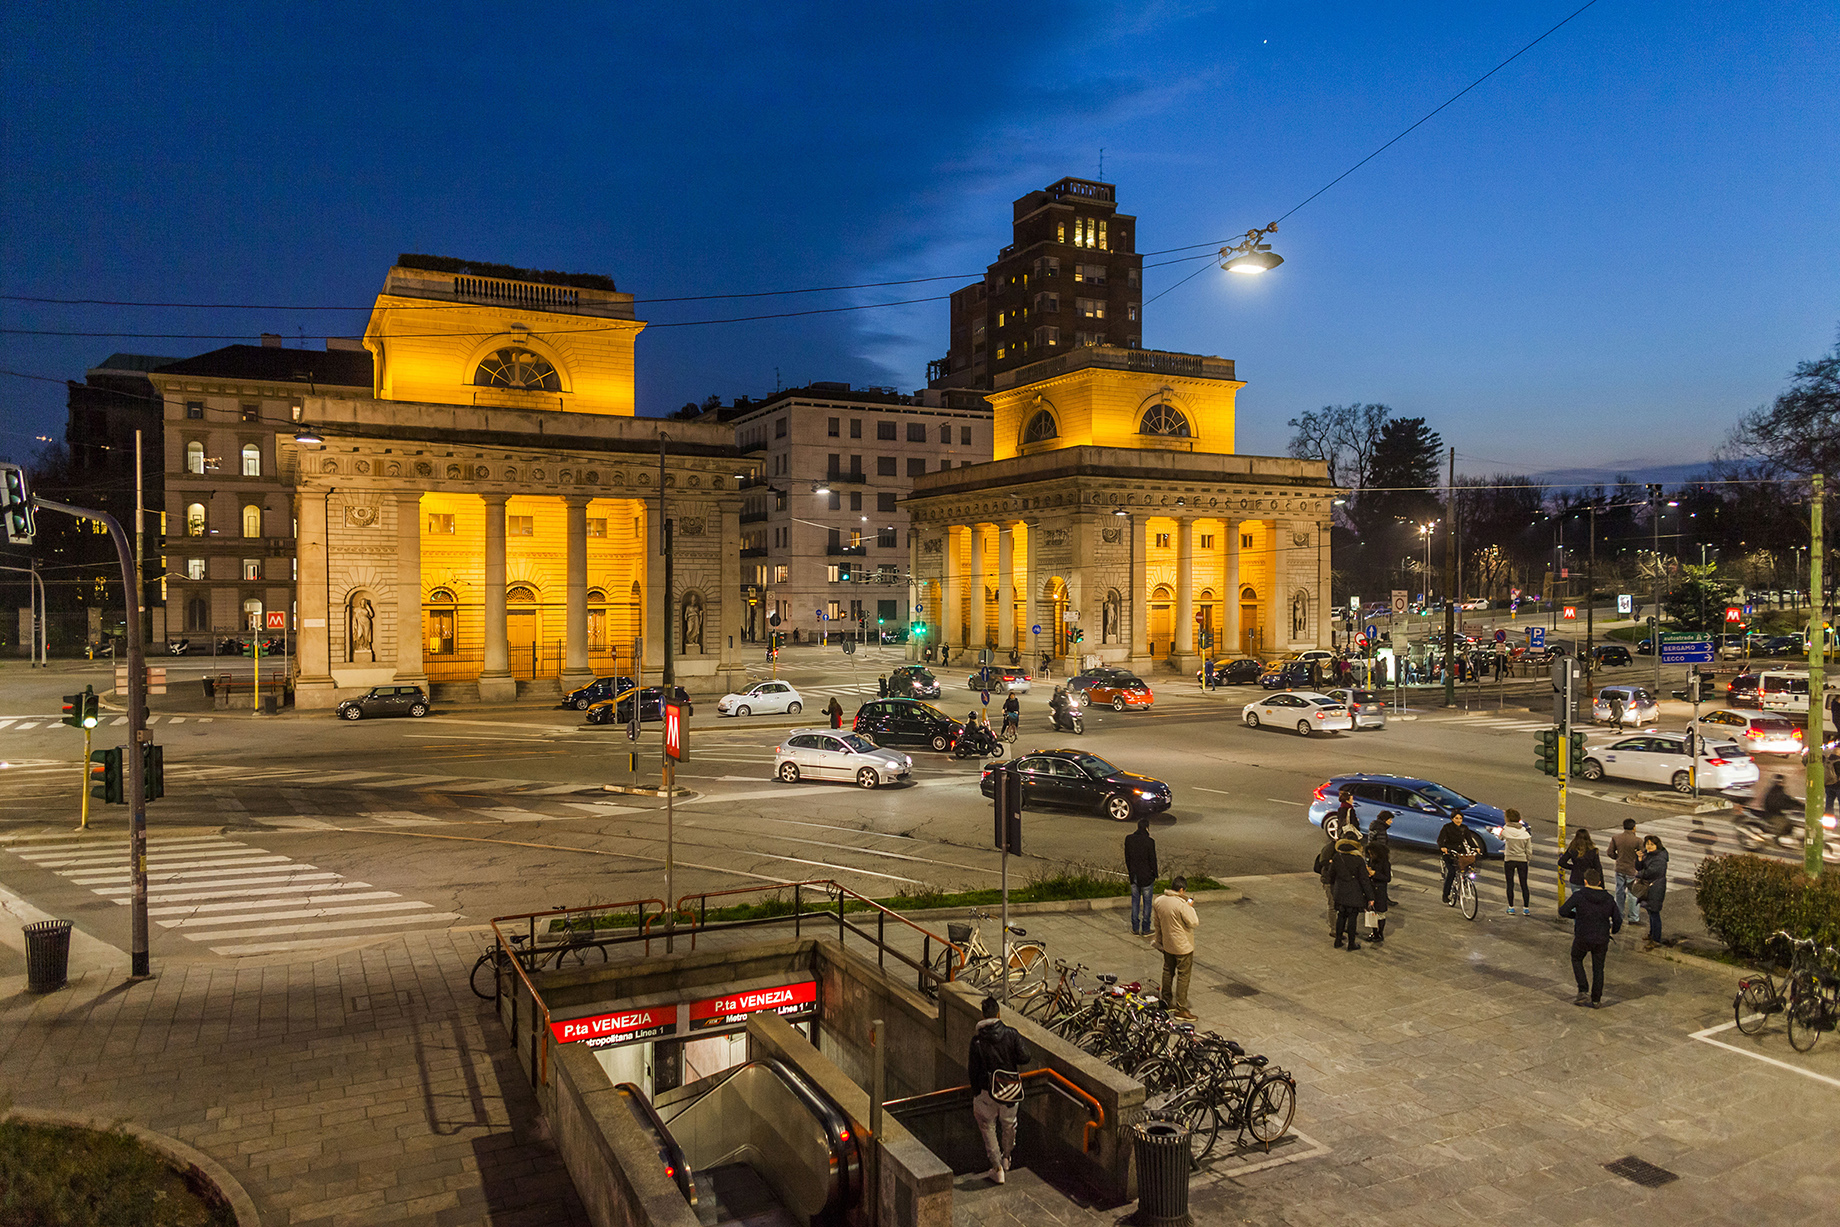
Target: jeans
x=1450 y=877
x=1654 y=925
x=1140 y=906
x=992 y=1116
x=1597 y=951
x=1515 y=869
x=1175 y=979
x=1625 y=902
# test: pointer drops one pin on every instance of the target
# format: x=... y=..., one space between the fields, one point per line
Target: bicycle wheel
x=1269 y=1109
x=1806 y=1013
x=1030 y=962
x=485 y=976
x=1754 y=1003
x=1203 y=1121
x=1466 y=896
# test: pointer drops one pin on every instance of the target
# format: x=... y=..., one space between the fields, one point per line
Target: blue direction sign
x=1373 y=632
x=1685 y=650
x=1536 y=637
x=1036 y=629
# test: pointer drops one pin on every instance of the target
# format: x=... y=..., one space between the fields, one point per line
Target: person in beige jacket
x=1173 y=923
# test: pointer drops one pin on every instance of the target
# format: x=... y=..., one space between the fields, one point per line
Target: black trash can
x=47 y=955
x=1162 y=1173
x=210 y=687
x=271 y=703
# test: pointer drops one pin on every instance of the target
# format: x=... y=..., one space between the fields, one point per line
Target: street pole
x=1590 y=602
x=1450 y=587
x=1815 y=806
x=140 y=548
x=664 y=541
x=83 y=822
x=1565 y=760
x=1655 y=635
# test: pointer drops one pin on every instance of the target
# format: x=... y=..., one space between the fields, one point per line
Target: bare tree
x=1800 y=430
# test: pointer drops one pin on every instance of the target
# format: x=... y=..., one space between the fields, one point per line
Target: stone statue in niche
x=1109 y=618
x=693 y=622
x=1300 y=614
x=360 y=630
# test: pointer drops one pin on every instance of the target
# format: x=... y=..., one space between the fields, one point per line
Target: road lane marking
x=1705 y=1037
x=196 y=909
x=298 y=914
x=377 y=922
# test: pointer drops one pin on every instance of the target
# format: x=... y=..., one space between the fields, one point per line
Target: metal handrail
x=1059 y=1083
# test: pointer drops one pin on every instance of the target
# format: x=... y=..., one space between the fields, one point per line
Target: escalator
x=758 y=1144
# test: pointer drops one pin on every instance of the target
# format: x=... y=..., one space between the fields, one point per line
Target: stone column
x=575 y=669
x=916 y=590
x=951 y=587
x=496 y=684
x=1140 y=588
x=313 y=686
x=1183 y=649
x=409 y=590
x=653 y=597
x=1006 y=586
x=1278 y=601
x=1325 y=590
x=726 y=617
x=1229 y=613
x=1031 y=590
x=980 y=613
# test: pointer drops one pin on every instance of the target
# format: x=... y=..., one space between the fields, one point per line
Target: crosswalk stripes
x=235 y=898
x=281 y=776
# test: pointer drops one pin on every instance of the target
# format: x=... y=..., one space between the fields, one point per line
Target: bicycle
x=1464 y=886
x=980 y=966
x=1760 y=996
x=1063 y=1000
x=1240 y=1092
x=577 y=946
x=1814 y=1001
x=1012 y=727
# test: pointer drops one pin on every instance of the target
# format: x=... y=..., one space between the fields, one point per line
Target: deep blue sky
x=1596 y=259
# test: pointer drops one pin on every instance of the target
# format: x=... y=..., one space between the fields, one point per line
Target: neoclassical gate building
x=490 y=515
x=1116 y=511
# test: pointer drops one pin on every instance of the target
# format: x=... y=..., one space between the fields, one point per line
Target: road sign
x=1501 y=636
x=1733 y=614
x=1354 y=602
x=1399 y=601
x=673 y=731
x=1036 y=629
x=1685 y=650
x=1571 y=611
x=277 y=620
x=1625 y=603
x=1373 y=632
x=919 y=608
x=1749 y=610
x=1360 y=640
x=849 y=647
x=1536 y=638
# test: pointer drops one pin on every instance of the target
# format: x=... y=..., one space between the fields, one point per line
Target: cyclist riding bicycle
x=1459 y=846
x=1012 y=713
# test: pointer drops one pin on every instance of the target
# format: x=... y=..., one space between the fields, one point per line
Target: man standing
x=1626 y=850
x=1173 y=923
x=1140 y=867
x=998 y=1054
x=1594 y=916
x=1454 y=841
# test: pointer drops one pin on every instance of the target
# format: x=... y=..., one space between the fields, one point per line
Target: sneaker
x=1184 y=1015
x=994 y=1175
x=1338 y=943
x=1006 y=1161
x=1510 y=911
x=1597 y=1005
x=1582 y=999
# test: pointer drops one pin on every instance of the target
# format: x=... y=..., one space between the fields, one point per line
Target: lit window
x=1090 y=308
x=194 y=409
x=194 y=568
x=252 y=568
x=1001 y=352
x=781 y=574
x=441 y=522
x=1162 y=541
x=252 y=413
x=194 y=520
x=1130 y=311
x=1047 y=337
x=1040 y=428
x=194 y=457
x=519 y=369
x=597 y=528
x=252 y=521
x=1164 y=418
x=833 y=610
x=252 y=460
x=830 y=573
x=520 y=526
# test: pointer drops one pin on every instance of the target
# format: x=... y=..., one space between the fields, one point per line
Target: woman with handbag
x=1581 y=857
x=1651 y=881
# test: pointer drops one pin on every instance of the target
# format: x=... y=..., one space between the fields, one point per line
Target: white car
x=761 y=697
x=1303 y=710
x=1754 y=734
x=1367 y=707
x=836 y=754
x=1661 y=758
x=1638 y=707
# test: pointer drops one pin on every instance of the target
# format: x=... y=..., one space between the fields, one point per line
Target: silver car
x=1368 y=707
x=837 y=754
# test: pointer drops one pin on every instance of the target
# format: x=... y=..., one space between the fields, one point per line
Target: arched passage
x=1054 y=615
x=1251 y=628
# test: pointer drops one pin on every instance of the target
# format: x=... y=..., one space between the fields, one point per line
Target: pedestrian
x=1354 y=891
x=1140 y=867
x=1651 y=880
x=1595 y=917
x=1581 y=857
x=1207 y=675
x=1616 y=711
x=1456 y=843
x=994 y=1067
x=1516 y=851
x=1830 y=774
x=881 y=687
x=835 y=711
x=1173 y=923
x=1380 y=871
x=1626 y=853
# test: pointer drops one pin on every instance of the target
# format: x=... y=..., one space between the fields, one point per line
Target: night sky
x=1594 y=261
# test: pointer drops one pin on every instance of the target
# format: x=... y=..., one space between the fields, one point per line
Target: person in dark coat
x=1651 y=872
x=1140 y=867
x=1455 y=841
x=996 y=1059
x=835 y=712
x=1581 y=859
x=1380 y=870
x=1595 y=917
x=1353 y=889
x=881 y=687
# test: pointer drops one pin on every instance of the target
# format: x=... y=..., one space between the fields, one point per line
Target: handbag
x=1638 y=890
x=1006 y=1086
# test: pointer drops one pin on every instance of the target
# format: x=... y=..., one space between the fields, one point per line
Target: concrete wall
x=612 y=1161
x=854 y=993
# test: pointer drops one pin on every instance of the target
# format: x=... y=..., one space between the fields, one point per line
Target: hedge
x=1746 y=898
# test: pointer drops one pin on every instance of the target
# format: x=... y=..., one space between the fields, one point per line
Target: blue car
x=1419 y=808
x=1286 y=675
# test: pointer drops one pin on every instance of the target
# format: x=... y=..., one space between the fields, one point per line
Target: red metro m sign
x=674 y=732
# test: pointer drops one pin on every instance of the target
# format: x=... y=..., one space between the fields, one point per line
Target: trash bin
x=1162 y=1173
x=271 y=703
x=210 y=687
x=47 y=955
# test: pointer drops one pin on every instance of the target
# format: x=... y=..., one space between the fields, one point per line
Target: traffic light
x=17 y=497
x=1575 y=758
x=105 y=776
x=253 y=648
x=917 y=630
x=153 y=771
x=1006 y=809
x=92 y=708
x=73 y=710
x=1546 y=751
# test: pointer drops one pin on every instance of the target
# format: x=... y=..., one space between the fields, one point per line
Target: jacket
x=1173 y=921
x=1594 y=915
x=995 y=1045
x=1456 y=838
x=1140 y=858
x=1380 y=856
x=1516 y=842
x=1626 y=850
x=1348 y=876
x=1653 y=870
x=1579 y=862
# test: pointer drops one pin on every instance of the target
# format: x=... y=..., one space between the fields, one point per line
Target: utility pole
x=1590 y=601
x=1816 y=804
x=1654 y=493
x=1570 y=669
x=140 y=544
x=1450 y=589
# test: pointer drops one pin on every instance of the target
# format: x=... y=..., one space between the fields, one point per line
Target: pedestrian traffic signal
x=153 y=771
x=16 y=496
x=1546 y=751
x=917 y=630
x=1575 y=759
x=105 y=776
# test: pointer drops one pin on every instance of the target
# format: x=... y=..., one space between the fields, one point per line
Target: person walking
x=994 y=1069
x=1173 y=923
x=1140 y=867
x=881 y=687
x=1830 y=774
x=1580 y=858
x=835 y=712
x=1626 y=853
x=1455 y=842
x=1516 y=851
x=1380 y=870
x=1651 y=880
x=1595 y=918
x=1354 y=891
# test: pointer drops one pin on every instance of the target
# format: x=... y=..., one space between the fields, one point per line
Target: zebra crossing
x=232 y=897
x=421 y=781
x=1495 y=723
x=19 y=724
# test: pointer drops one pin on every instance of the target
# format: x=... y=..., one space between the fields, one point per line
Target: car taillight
x=1322 y=793
x=1320 y=715
x=1715 y=762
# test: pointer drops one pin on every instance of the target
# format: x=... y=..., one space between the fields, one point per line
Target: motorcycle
x=178 y=647
x=1071 y=719
x=977 y=741
x=1755 y=830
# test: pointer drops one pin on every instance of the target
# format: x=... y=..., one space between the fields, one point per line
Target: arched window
x=194 y=457
x=194 y=520
x=252 y=614
x=521 y=594
x=1165 y=419
x=1041 y=427
x=597 y=620
x=252 y=460
x=252 y=521
x=517 y=368
x=440 y=622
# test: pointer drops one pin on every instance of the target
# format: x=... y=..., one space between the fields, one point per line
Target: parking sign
x=1536 y=638
x=1625 y=603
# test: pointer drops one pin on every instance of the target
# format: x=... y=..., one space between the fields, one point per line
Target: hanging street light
x=1251 y=256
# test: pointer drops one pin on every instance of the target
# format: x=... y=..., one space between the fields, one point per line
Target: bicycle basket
x=958 y=934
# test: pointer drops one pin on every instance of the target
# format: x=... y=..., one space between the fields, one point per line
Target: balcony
x=753 y=517
x=855 y=477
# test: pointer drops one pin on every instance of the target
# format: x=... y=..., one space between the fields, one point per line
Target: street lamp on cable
x=306 y=434
x=1249 y=255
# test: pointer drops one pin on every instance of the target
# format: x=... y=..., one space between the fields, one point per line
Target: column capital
x=577 y=500
x=405 y=497
x=495 y=498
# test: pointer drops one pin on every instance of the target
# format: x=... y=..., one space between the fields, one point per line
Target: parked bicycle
x=1238 y=1092
x=1814 y=1001
x=1062 y=1001
x=1759 y=995
x=576 y=947
x=981 y=967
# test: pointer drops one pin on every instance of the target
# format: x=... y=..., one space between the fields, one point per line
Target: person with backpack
x=997 y=1056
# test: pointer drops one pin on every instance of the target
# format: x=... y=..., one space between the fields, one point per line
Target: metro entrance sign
x=734 y=1008
x=1733 y=614
x=277 y=620
x=1681 y=649
x=644 y=1023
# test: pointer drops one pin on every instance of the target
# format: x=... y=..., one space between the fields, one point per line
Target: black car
x=907 y=722
x=386 y=701
x=1741 y=691
x=1242 y=672
x=651 y=706
x=1077 y=780
x=1612 y=654
x=913 y=682
x=595 y=691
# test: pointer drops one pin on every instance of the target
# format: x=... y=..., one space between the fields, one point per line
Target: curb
x=184 y=1158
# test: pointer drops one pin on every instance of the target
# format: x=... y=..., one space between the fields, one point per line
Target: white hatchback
x=1754 y=733
x=835 y=754
x=774 y=696
x=1302 y=710
x=1661 y=758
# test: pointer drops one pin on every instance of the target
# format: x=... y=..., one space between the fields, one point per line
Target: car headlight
x=1148 y=796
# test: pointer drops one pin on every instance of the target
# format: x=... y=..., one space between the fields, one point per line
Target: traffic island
x=57 y=1167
